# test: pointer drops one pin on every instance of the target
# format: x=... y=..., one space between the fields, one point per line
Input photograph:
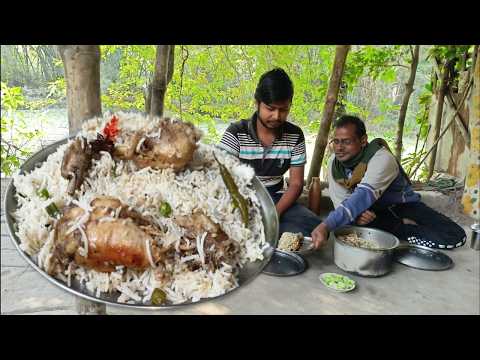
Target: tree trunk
x=82 y=75
x=148 y=98
x=438 y=116
x=162 y=76
x=406 y=99
x=341 y=53
x=462 y=125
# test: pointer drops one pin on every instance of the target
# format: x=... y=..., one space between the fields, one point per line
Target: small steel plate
x=285 y=263
x=422 y=257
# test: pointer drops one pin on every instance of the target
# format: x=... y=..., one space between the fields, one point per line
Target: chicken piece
x=224 y=249
x=126 y=151
x=66 y=241
x=76 y=163
x=116 y=241
x=173 y=148
x=113 y=243
x=198 y=223
x=108 y=206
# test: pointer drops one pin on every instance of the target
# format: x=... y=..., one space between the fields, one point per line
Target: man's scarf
x=358 y=163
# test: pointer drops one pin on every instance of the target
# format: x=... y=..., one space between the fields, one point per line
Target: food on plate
x=337 y=282
x=138 y=207
x=107 y=236
x=169 y=145
x=353 y=240
x=75 y=163
x=290 y=241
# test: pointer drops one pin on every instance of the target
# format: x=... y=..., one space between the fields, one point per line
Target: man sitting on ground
x=369 y=187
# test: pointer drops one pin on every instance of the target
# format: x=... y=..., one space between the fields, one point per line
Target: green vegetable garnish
x=165 y=209
x=158 y=297
x=43 y=193
x=338 y=282
x=53 y=210
x=238 y=200
x=114 y=170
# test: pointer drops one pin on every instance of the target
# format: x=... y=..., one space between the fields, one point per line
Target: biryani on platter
x=138 y=206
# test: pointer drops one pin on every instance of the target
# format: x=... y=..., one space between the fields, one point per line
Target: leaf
x=389 y=76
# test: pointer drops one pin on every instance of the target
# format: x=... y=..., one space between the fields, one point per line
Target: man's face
x=274 y=115
x=346 y=144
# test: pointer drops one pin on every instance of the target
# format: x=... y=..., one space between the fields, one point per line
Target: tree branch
x=395 y=65
x=411 y=51
x=446 y=127
x=10 y=145
x=459 y=120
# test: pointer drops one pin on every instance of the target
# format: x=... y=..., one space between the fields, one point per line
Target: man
x=368 y=186
x=272 y=145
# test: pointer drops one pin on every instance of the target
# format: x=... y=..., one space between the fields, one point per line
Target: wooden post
x=341 y=53
x=82 y=75
x=162 y=76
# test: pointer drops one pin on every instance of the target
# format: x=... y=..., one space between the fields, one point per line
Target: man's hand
x=295 y=187
x=320 y=236
x=366 y=217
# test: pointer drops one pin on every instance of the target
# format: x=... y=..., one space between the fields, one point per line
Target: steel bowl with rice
x=364 y=251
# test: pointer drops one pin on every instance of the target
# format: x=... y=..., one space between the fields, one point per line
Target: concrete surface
x=403 y=291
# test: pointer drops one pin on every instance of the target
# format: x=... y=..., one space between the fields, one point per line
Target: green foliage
x=374 y=61
x=15 y=133
x=449 y=52
x=126 y=84
x=372 y=70
x=459 y=56
x=219 y=82
x=411 y=161
x=421 y=118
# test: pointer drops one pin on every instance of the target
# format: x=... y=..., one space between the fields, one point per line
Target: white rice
x=194 y=189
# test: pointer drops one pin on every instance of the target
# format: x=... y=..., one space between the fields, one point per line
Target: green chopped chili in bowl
x=337 y=282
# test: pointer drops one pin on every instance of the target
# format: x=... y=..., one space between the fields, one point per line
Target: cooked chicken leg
x=111 y=240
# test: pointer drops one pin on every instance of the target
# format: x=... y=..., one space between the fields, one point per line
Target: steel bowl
x=246 y=273
x=362 y=261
